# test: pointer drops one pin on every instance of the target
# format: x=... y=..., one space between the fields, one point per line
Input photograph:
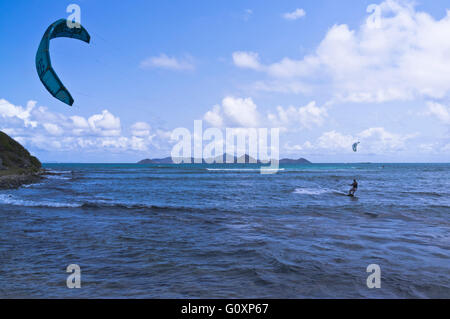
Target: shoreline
x=14 y=181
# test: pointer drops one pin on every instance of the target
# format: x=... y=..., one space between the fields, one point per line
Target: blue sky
x=322 y=71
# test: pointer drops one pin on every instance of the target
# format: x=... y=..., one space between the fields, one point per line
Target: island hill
x=17 y=166
x=243 y=159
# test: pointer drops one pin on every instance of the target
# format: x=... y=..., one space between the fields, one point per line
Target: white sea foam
x=32 y=185
x=57 y=177
x=244 y=169
x=11 y=200
x=311 y=191
x=58 y=172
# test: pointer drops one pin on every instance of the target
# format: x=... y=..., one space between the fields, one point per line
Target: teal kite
x=355 y=146
x=51 y=81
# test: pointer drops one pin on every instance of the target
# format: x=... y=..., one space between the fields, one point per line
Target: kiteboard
x=345 y=194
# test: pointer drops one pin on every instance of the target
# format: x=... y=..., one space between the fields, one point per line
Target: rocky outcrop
x=17 y=166
x=15 y=181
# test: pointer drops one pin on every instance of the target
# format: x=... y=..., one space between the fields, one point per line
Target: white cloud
x=241 y=111
x=164 y=134
x=373 y=140
x=296 y=14
x=428 y=148
x=55 y=132
x=165 y=62
x=79 y=125
x=442 y=112
x=140 y=129
x=282 y=87
x=234 y=112
x=119 y=143
x=335 y=141
x=298 y=147
x=53 y=129
x=402 y=57
x=302 y=117
x=105 y=124
x=381 y=140
x=8 y=110
x=79 y=122
x=249 y=60
x=446 y=148
x=138 y=144
x=289 y=68
x=214 y=117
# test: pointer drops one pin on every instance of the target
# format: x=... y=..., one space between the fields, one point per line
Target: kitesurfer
x=354 y=186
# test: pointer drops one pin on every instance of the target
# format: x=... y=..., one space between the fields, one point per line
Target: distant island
x=243 y=159
x=17 y=166
x=295 y=161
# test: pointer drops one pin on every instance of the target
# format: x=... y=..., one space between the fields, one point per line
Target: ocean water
x=162 y=231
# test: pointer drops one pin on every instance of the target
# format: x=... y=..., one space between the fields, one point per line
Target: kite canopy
x=355 y=146
x=51 y=81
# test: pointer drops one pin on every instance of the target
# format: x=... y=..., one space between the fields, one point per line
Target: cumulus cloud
x=249 y=60
x=303 y=117
x=402 y=56
x=375 y=140
x=8 y=110
x=335 y=141
x=140 y=129
x=41 y=129
x=298 y=147
x=380 y=140
x=277 y=86
x=165 y=62
x=446 y=148
x=440 y=111
x=105 y=124
x=243 y=112
x=234 y=112
x=53 y=129
x=296 y=14
x=79 y=125
x=214 y=117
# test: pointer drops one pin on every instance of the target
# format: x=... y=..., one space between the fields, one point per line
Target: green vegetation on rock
x=15 y=159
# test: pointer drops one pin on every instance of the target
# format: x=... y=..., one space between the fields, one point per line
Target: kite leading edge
x=48 y=76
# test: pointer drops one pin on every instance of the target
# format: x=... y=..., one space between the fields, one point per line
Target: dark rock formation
x=17 y=166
